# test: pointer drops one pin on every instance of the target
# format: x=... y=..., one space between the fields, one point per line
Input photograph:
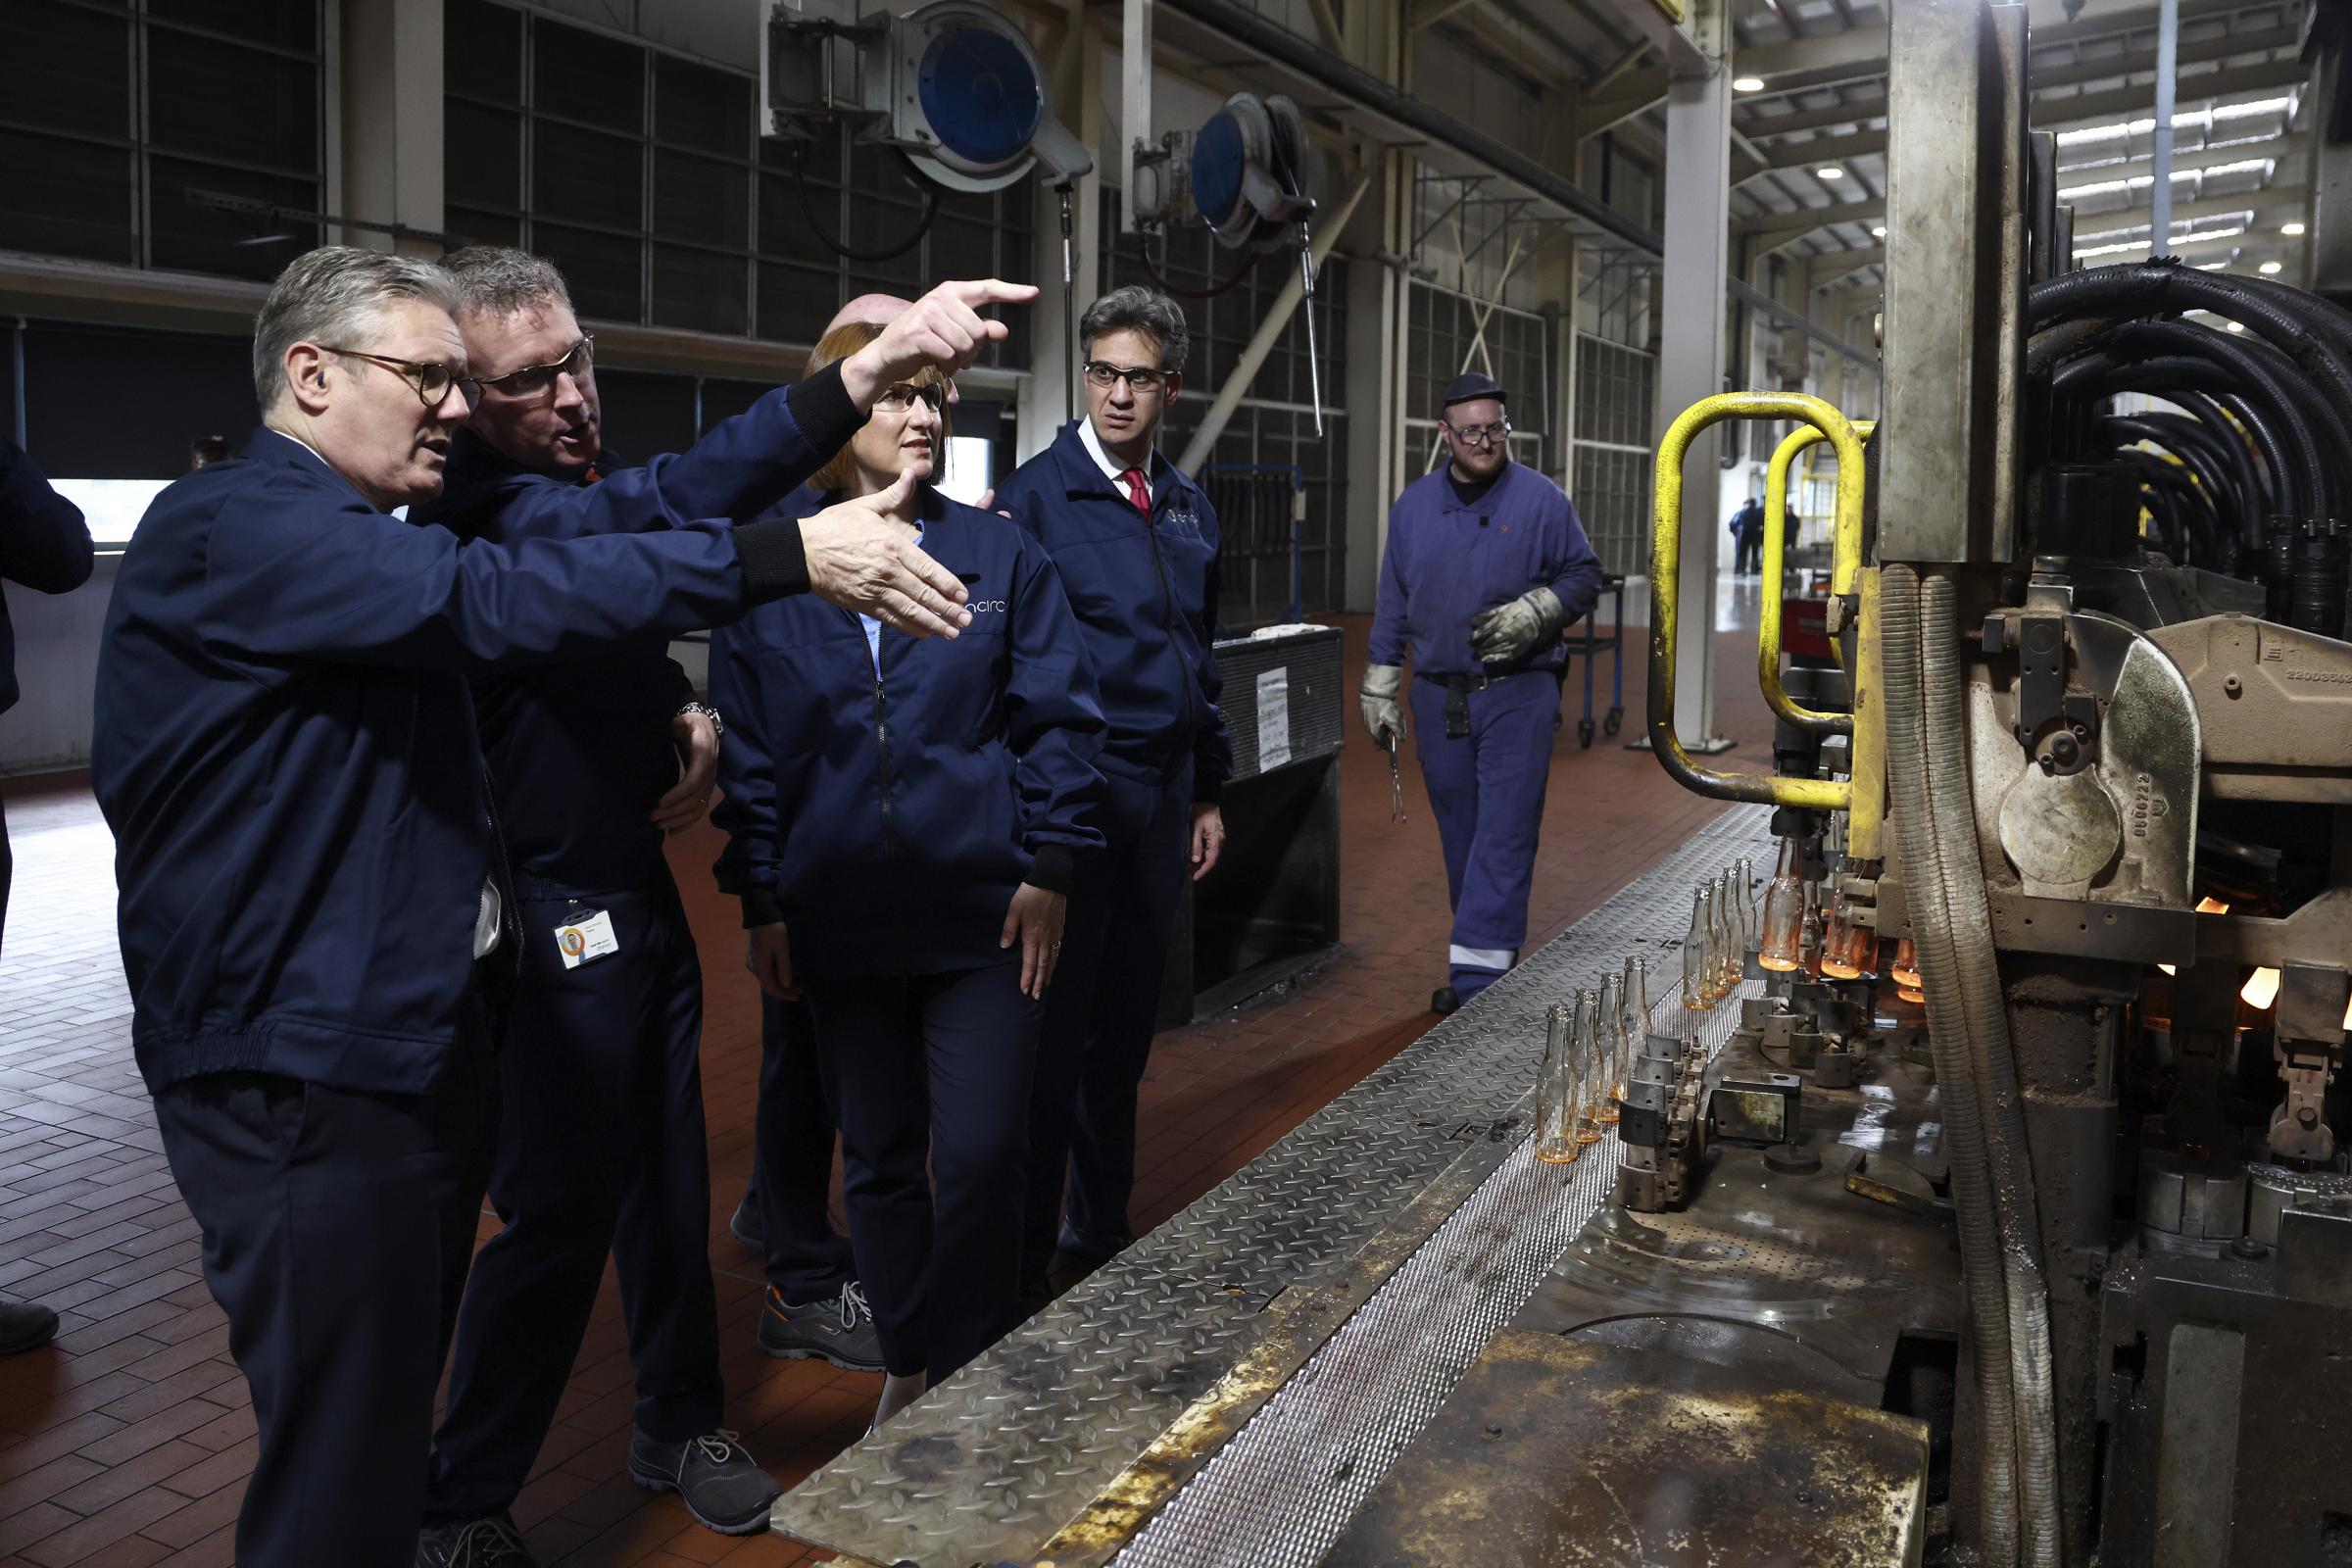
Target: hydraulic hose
x=2311 y=418
x=2153 y=288
x=1984 y=1028
x=2218 y=459
x=1982 y=1275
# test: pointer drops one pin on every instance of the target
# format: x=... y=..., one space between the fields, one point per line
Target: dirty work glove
x=1511 y=631
x=1384 y=717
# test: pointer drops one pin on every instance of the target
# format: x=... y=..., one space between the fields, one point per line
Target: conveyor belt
x=1380 y=1245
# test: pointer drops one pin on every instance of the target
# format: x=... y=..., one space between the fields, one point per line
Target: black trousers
x=337 y=1226
x=937 y=1065
x=1748 y=554
x=792 y=1161
x=600 y=1147
x=1100 y=1014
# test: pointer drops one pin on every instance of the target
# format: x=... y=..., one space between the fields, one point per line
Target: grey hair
x=1137 y=309
x=500 y=281
x=332 y=297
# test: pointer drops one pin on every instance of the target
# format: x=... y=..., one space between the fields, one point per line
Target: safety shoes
x=24 y=1326
x=713 y=1475
x=744 y=1223
x=838 y=1328
x=489 y=1543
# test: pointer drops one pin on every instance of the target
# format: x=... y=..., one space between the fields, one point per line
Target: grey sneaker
x=713 y=1475
x=489 y=1543
x=838 y=1328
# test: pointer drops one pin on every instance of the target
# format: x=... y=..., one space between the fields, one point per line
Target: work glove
x=1384 y=717
x=1509 y=632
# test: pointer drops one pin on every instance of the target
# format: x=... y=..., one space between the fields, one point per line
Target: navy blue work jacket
x=580 y=752
x=1446 y=562
x=287 y=751
x=887 y=818
x=43 y=544
x=1146 y=599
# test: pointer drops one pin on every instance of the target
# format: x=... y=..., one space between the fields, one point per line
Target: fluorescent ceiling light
x=2271 y=268
x=2085 y=253
x=2291 y=230
x=1878 y=231
x=2238 y=326
x=2108 y=187
x=2197 y=117
x=1747 y=84
x=1829 y=172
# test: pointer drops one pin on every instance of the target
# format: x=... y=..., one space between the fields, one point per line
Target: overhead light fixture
x=2291 y=230
x=2198 y=116
x=2108 y=187
x=1878 y=231
x=2238 y=326
x=2086 y=253
x=1747 y=84
x=1829 y=172
x=2271 y=268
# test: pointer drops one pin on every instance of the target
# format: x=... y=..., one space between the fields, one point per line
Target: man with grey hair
x=601 y=1141
x=317 y=922
x=1136 y=544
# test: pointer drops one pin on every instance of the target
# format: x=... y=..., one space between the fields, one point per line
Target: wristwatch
x=718 y=725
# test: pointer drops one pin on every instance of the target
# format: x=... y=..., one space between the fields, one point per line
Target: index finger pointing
x=990 y=291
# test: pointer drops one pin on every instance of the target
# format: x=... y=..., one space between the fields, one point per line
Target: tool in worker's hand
x=1396 y=781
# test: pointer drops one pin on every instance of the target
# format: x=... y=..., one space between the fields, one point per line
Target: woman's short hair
x=840 y=469
x=333 y=296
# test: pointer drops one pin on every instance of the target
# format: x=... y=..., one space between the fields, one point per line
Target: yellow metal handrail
x=1845 y=557
x=1665 y=585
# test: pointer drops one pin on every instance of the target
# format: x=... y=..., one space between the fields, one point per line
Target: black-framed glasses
x=906 y=395
x=1142 y=379
x=1478 y=435
x=428 y=380
x=537 y=380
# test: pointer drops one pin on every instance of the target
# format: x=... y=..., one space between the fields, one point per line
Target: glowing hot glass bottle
x=1556 y=1091
x=1783 y=913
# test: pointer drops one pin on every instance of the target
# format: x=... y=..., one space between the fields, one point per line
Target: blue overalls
x=601 y=1145
x=44 y=545
x=285 y=748
x=1145 y=599
x=1483 y=733
x=885 y=801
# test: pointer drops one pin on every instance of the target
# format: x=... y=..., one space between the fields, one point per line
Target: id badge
x=585 y=938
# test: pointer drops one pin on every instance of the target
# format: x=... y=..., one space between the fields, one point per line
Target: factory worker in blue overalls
x=1486 y=565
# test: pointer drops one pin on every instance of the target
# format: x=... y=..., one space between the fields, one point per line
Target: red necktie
x=1138 y=492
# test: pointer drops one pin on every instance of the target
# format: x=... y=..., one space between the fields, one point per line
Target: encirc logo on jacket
x=1186 y=522
x=986 y=606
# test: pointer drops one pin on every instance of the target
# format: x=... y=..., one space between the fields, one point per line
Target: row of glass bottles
x=1589 y=1049
x=1795 y=935
x=1724 y=925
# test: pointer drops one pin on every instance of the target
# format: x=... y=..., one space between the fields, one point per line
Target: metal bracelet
x=718 y=725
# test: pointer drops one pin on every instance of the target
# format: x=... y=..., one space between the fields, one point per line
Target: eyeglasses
x=1478 y=435
x=906 y=395
x=1143 y=379
x=537 y=380
x=430 y=382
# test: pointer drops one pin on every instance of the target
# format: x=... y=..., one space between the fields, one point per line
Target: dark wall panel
x=109 y=403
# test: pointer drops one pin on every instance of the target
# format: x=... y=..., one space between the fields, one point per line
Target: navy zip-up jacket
x=43 y=544
x=580 y=752
x=1146 y=598
x=285 y=749
x=888 y=818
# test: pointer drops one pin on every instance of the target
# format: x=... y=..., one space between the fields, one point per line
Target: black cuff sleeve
x=822 y=411
x=774 y=561
x=1054 y=868
x=1208 y=788
x=760 y=908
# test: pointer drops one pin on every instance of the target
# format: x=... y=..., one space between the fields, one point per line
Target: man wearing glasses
x=1486 y=565
x=1136 y=544
x=316 y=921
x=601 y=1141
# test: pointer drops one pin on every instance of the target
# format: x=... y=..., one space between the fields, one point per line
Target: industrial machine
x=1976 y=1194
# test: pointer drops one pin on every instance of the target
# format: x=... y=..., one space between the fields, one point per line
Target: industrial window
x=1273 y=430
x=1616 y=388
x=132 y=131
x=642 y=174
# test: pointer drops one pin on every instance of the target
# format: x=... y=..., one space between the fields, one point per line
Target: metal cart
x=1593 y=643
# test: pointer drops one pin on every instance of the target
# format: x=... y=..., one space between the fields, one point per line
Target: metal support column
x=2168 y=71
x=391 y=121
x=1698 y=171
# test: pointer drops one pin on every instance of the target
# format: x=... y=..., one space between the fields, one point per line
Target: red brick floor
x=128 y=1443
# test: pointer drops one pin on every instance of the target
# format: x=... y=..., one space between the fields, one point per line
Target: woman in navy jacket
x=904 y=821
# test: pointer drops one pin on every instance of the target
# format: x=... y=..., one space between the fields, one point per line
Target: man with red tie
x=1136 y=544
